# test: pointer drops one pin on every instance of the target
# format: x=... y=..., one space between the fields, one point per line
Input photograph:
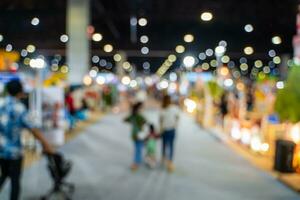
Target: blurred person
x=13 y=118
x=151 y=146
x=107 y=98
x=141 y=95
x=69 y=100
x=82 y=112
x=250 y=99
x=70 y=108
x=224 y=107
x=169 y=118
x=137 y=121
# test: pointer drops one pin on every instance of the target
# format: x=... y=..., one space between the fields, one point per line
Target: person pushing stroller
x=14 y=118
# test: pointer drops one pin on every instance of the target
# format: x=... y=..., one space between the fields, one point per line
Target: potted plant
x=287 y=106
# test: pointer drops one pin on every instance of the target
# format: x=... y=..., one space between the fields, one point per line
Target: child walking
x=151 y=147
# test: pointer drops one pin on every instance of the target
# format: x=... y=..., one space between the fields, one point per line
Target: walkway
x=205 y=169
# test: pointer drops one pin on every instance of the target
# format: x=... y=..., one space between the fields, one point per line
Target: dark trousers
x=11 y=169
x=168 y=138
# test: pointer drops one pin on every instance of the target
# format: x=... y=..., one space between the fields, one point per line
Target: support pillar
x=78 y=46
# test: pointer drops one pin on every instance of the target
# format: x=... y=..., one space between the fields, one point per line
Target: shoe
x=134 y=167
x=170 y=167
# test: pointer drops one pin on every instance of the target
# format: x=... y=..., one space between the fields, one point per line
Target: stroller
x=59 y=168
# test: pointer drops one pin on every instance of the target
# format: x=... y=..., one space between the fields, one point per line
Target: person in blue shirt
x=14 y=118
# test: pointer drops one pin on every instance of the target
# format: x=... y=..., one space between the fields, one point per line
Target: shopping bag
x=143 y=133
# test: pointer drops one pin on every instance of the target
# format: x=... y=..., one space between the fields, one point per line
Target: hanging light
x=189 y=61
x=97 y=37
x=206 y=16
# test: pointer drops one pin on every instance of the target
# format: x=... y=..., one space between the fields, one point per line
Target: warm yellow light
x=225 y=59
x=30 y=48
x=54 y=68
x=179 y=49
x=213 y=63
x=240 y=86
x=97 y=37
x=133 y=83
x=244 y=67
x=246 y=136
x=26 y=61
x=261 y=75
x=172 y=58
x=100 y=80
x=143 y=21
x=87 y=80
x=206 y=16
x=258 y=63
x=188 y=38
x=277 y=60
x=117 y=57
x=108 y=48
x=205 y=66
x=224 y=71
x=167 y=63
x=295 y=133
x=164 y=84
x=126 y=80
x=255 y=144
x=276 y=40
x=64 y=69
x=190 y=105
x=126 y=65
x=248 y=50
x=264 y=147
x=235 y=131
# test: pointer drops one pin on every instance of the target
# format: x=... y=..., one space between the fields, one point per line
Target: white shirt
x=169 y=117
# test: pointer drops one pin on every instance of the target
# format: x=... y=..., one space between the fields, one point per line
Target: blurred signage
x=6 y=77
x=194 y=76
x=8 y=59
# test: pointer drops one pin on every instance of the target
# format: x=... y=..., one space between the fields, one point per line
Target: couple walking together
x=169 y=116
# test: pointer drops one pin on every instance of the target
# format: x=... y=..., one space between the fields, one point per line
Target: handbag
x=143 y=133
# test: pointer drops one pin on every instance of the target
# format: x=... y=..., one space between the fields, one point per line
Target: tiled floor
x=205 y=169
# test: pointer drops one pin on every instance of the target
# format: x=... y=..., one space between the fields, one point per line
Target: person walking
x=137 y=121
x=13 y=118
x=169 y=118
x=150 y=143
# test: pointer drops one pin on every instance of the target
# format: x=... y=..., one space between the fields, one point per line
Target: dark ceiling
x=168 y=21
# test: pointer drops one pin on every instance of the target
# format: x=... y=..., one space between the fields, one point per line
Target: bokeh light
x=35 y=21
x=206 y=16
x=142 y=21
x=64 y=38
x=108 y=48
x=97 y=37
x=276 y=40
x=188 y=38
x=248 y=28
x=248 y=50
x=144 y=50
x=189 y=61
x=30 y=48
x=179 y=49
x=144 y=39
x=117 y=57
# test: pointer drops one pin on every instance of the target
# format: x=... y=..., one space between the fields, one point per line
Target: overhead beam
x=151 y=54
x=110 y=24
